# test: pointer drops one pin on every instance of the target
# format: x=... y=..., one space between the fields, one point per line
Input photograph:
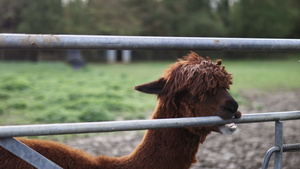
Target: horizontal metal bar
x=92 y=127
x=24 y=152
x=291 y=147
x=44 y=41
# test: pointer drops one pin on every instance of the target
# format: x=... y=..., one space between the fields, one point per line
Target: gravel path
x=243 y=150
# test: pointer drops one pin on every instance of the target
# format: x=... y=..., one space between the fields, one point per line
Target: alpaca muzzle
x=228 y=129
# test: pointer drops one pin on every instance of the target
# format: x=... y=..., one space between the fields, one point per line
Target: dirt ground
x=243 y=150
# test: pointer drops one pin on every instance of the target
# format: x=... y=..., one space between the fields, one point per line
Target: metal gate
x=32 y=41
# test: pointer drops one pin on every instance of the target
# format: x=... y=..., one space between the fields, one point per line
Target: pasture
x=55 y=93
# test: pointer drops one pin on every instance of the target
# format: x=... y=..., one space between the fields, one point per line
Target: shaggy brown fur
x=191 y=87
x=196 y=75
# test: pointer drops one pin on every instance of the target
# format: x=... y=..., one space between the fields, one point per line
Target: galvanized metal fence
x=31 y=41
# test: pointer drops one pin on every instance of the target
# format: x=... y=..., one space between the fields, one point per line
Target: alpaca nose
x=237 y=115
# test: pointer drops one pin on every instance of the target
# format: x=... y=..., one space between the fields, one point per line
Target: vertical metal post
x=126 y=56
x=111 y=56
x=278 y=143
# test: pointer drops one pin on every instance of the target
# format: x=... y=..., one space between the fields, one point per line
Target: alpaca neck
x=164 y=148
x=167 y=148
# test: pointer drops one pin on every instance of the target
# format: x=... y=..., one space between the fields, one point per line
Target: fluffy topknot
x=196 y=75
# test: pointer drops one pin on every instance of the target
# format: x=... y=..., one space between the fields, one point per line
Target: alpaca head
x=195 y=87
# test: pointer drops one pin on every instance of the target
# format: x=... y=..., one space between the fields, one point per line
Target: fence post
x=278 y=143
x=27 y=154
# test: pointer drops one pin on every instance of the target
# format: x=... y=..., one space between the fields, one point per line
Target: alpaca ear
x=154 y=87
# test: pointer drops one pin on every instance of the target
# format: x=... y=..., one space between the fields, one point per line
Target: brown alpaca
x=191 y=87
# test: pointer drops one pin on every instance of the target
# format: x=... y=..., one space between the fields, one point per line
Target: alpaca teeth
x=233 y=127
x=228 y=129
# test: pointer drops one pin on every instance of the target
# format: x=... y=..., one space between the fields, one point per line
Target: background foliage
x=203 y=18
x=240 y=18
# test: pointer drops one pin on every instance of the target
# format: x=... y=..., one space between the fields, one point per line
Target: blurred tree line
x=204 y=18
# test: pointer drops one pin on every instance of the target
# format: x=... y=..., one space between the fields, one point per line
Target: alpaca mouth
x=228 y=129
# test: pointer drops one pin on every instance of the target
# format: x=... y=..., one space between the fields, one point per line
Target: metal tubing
x=91 y=127
x=291 y=147
x=268 y=156
x=278 y=143
x=27 y=154
x=43 y=41
x=285 y=148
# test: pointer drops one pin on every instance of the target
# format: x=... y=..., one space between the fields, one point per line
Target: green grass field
x=54 y=93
